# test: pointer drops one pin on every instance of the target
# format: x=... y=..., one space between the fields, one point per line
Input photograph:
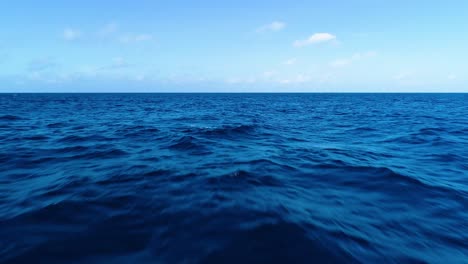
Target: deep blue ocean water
x=234 y=178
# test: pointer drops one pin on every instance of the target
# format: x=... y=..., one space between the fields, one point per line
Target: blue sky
x=234 y=46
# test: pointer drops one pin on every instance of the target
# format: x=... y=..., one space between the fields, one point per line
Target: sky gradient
x=235 y=46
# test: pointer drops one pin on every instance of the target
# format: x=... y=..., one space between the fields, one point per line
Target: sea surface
x=234 y=178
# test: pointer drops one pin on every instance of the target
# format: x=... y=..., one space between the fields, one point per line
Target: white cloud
x=403 y=76
x=119 y=62
x=410 y=79
x=299 y=78
x=273 y=26
x=327 y=78
x=46 y=77
x=71 y=34
x=340 y=63
x=248 y=80
x=109 y=29
x=315 y=39
x=291 y=61
x=139 y=77
x=269 y=74
x=355 y=57
x=368 y=54
x=131 y=38
x=452 y=77
x=42 y=64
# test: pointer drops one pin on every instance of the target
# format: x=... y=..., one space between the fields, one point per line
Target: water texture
x=234 y=178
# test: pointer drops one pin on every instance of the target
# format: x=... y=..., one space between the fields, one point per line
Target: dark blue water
x=234 y=178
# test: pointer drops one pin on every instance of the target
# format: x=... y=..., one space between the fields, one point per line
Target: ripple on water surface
x=233 y=178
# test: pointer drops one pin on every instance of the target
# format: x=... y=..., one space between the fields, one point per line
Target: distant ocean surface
x=233 y=178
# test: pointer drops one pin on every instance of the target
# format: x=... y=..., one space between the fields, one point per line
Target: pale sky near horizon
x=234 y=46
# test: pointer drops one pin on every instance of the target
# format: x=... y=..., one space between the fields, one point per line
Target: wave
x=243 y=179
x=190 y=179
x=56 y=125
x=56 y=156
x=4 y=158
x=277 y=243
x=80 y=139
x=138 y=131
x=225 y=131
x=89 y=231
x=35 y=138
x=432 y=131
x=383 y=180
x=415 y=139
x=129 y=177
x=361 y=129
x=188 y=144
x=73 y=149
x=102 y=154
x=10 y=118
x=99 y=232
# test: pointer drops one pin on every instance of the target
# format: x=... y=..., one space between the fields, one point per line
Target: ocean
x=234 y=178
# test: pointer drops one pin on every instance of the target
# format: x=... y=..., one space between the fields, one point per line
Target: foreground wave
x=233 y=178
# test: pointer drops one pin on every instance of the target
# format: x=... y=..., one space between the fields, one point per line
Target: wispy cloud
x=355 y=57
x=291 y=61
x=410 y=78
x=268 y=74
x=117 y=63
x=244 y=80
x=109 y=29
x=314 y=39
x=340 y=63
x=403 y=76
x=139 y=77
x=132 y=38
x=298 y=78
x=112 y=31
x=41 y=64
x=71 y=34
x=3 y=58
x=272 y=27
x=452 y=77
x=45 y=70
